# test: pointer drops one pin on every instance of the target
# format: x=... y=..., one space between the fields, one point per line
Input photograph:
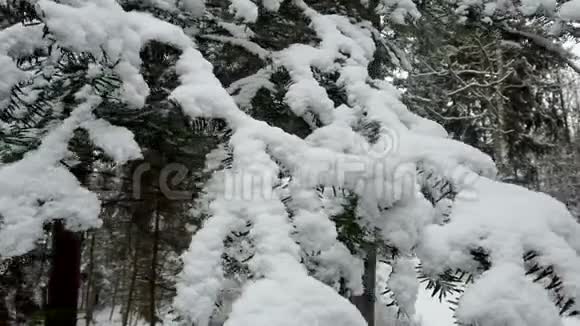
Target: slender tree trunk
x=366 y=302
x=114 y=299
x=567 y=133
x=5 y=318
x=64 y=282
x=153 y=276
x=131 y=286
x=499 y=137
x=135 y=319
x=88 y=299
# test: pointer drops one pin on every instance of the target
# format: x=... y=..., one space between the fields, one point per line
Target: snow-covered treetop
x=505 y=222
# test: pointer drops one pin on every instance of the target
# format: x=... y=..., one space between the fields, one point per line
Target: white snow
x=202 y=277
x=399 y=10
x=272 y=5
x=104 y=25
x=195 y=7
x=508 y=221
x=245 y=10
x=245 y=89
x=117 y=142
x=504 y=296
x=505 y=220
x=404 y=284
x=37 y=189
x=16 y=41
x=570 y=10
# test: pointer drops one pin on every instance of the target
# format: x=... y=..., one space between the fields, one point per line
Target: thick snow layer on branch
x=504 y=296
x=200 y=93
x=105 y=29
x=11 y=75
x=244 y=90
x=295 y=300
x=317 y=234
x=570 y=10
x=16 y=41
x=245 y=10
x=36 y=190
x=530 y=7
x=277 y=257
x=117 y=142
x=490 y=214
x=238 y=31
x=507 y=221
x=279 y=297
x=249 y=46
x=404 y=223
x=202 y=278
x=399 y=10
x=493 y=7
x=20 y=40
x=404 y=284
x=272 y=5
x=195 y=7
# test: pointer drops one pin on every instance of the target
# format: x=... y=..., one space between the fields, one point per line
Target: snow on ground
x=102 y=318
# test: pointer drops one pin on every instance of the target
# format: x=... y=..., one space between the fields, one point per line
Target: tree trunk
x=5 y=318
x=65 y=277
x=88 y=298
x=563 y=106
x=127 y=311
x=365 y=303
x=114 y=299
x=499 y=137
x=153 y=276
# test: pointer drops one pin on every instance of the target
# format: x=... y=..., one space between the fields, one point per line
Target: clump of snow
x=245 y=10
x=272 y=5
x=530 y=7
x=403 y=224
x=11 y=75
x=399 y=10
x=404 y=284
x=315 y=233
x=293 y=300
x=195 y=7
x=507 y=221
x=570 y=10
x=117 y=142
x=503 y=296
x=20 y=40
